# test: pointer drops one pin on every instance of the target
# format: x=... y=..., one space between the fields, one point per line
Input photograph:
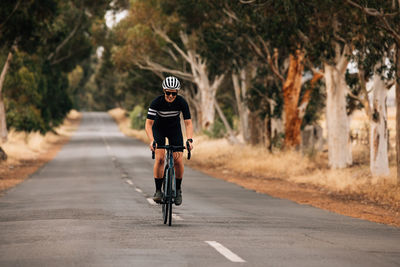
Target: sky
x=112 y=19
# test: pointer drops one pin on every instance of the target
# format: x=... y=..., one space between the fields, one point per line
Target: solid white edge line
x=129 y=182
x=151 y=201
x=177 y=217
x=225 y=251
x=139 y=190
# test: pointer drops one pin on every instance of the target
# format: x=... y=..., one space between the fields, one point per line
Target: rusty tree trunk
x=291 y=95
x=398 y=110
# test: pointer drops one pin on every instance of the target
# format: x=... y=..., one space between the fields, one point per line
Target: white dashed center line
x=225 y=251
x=151 y=201
x=138 y=190
x=177 y=217
x=129 y=182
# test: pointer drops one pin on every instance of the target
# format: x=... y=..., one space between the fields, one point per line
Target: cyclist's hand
x=190 y=145
x=152 y=145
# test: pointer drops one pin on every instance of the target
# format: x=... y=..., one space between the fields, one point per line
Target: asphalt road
x=89 y=207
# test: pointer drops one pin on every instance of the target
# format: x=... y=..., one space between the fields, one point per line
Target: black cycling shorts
x=174 y=136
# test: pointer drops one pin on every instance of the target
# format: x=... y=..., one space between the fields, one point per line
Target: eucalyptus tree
x=21 y=25
x=155 y=36
x=386 y=17
x=329 y=38
x=48 y=39
x=273 y=33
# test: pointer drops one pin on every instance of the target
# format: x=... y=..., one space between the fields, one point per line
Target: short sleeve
x=185 y=110
x=152 y=112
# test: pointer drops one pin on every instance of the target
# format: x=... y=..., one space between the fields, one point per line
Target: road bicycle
x=169 y=184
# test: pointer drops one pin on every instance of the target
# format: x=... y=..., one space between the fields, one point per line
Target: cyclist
x=163 y=121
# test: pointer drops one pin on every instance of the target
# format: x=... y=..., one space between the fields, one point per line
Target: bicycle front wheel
x=170 y=213
x=165 y=208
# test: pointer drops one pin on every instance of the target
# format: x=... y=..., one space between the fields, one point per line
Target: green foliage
x=217 y=130
x=49 y=38
x=315 y=108
x=137 y=117
x=25 y=117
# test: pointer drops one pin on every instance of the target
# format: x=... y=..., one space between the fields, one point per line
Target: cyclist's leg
x=159 y=137
x=175 y=138
x=158 y=164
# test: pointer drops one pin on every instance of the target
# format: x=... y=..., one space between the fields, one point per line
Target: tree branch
x=274 y=63
x=255 y=47
x=155 y=67
x=171 y=53
x=164 y=36
x=382 y=16
x=71 y=34
x=230 y=14
x=12 y=13
x=247 y=1
x=232 y=136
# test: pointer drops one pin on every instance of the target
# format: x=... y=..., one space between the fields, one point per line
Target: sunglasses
x=171 y=93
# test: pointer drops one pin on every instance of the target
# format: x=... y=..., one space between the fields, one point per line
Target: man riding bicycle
x=163 y=121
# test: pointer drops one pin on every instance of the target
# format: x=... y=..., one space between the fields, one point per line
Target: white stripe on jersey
x=168 y=115
x=150 y=109
x=151 y=113
x=169 y=112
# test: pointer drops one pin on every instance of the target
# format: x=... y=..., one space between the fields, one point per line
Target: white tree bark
x=3 y=124
x=240 y=86
x=337 y=120
x=379 y=163
x=207 y=87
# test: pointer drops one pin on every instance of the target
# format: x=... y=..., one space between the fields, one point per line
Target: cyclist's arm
x=149 y=130
x=189 y=128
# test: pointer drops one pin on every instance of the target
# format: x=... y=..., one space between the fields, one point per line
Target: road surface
x=91 y=206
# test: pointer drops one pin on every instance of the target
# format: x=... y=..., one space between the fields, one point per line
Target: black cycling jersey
x=167 y=121
x=165 y=114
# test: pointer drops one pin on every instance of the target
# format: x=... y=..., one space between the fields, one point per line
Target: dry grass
x=352 y=183
x=28 y=151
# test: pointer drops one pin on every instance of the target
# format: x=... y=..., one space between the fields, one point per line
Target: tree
x=20 y=30
x=386 y=17
x=170 y=47
x=273 y=29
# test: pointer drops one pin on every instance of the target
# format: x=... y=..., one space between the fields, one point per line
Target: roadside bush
x=217 y=130
x=25 y=118
x=137 y=117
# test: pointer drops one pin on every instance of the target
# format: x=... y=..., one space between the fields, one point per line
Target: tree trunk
x=231 y=135
x=240 y=86
x=379 y=163
x=398 y=110
x=3 y=124
x=206 y=89
x=337 y=121
x=291 y=95
x=207 y=92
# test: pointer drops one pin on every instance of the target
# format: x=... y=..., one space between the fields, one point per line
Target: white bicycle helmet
x=171 y=83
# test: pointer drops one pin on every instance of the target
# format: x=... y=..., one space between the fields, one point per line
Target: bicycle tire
x=170 y=214
x=164 y=200
x=165 y=212
x=170 y=195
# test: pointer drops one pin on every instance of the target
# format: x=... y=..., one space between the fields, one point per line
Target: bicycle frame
x=169 y=180
x=169 y=193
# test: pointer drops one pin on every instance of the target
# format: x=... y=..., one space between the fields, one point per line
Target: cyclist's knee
x=178 y=160
x=159 y=161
